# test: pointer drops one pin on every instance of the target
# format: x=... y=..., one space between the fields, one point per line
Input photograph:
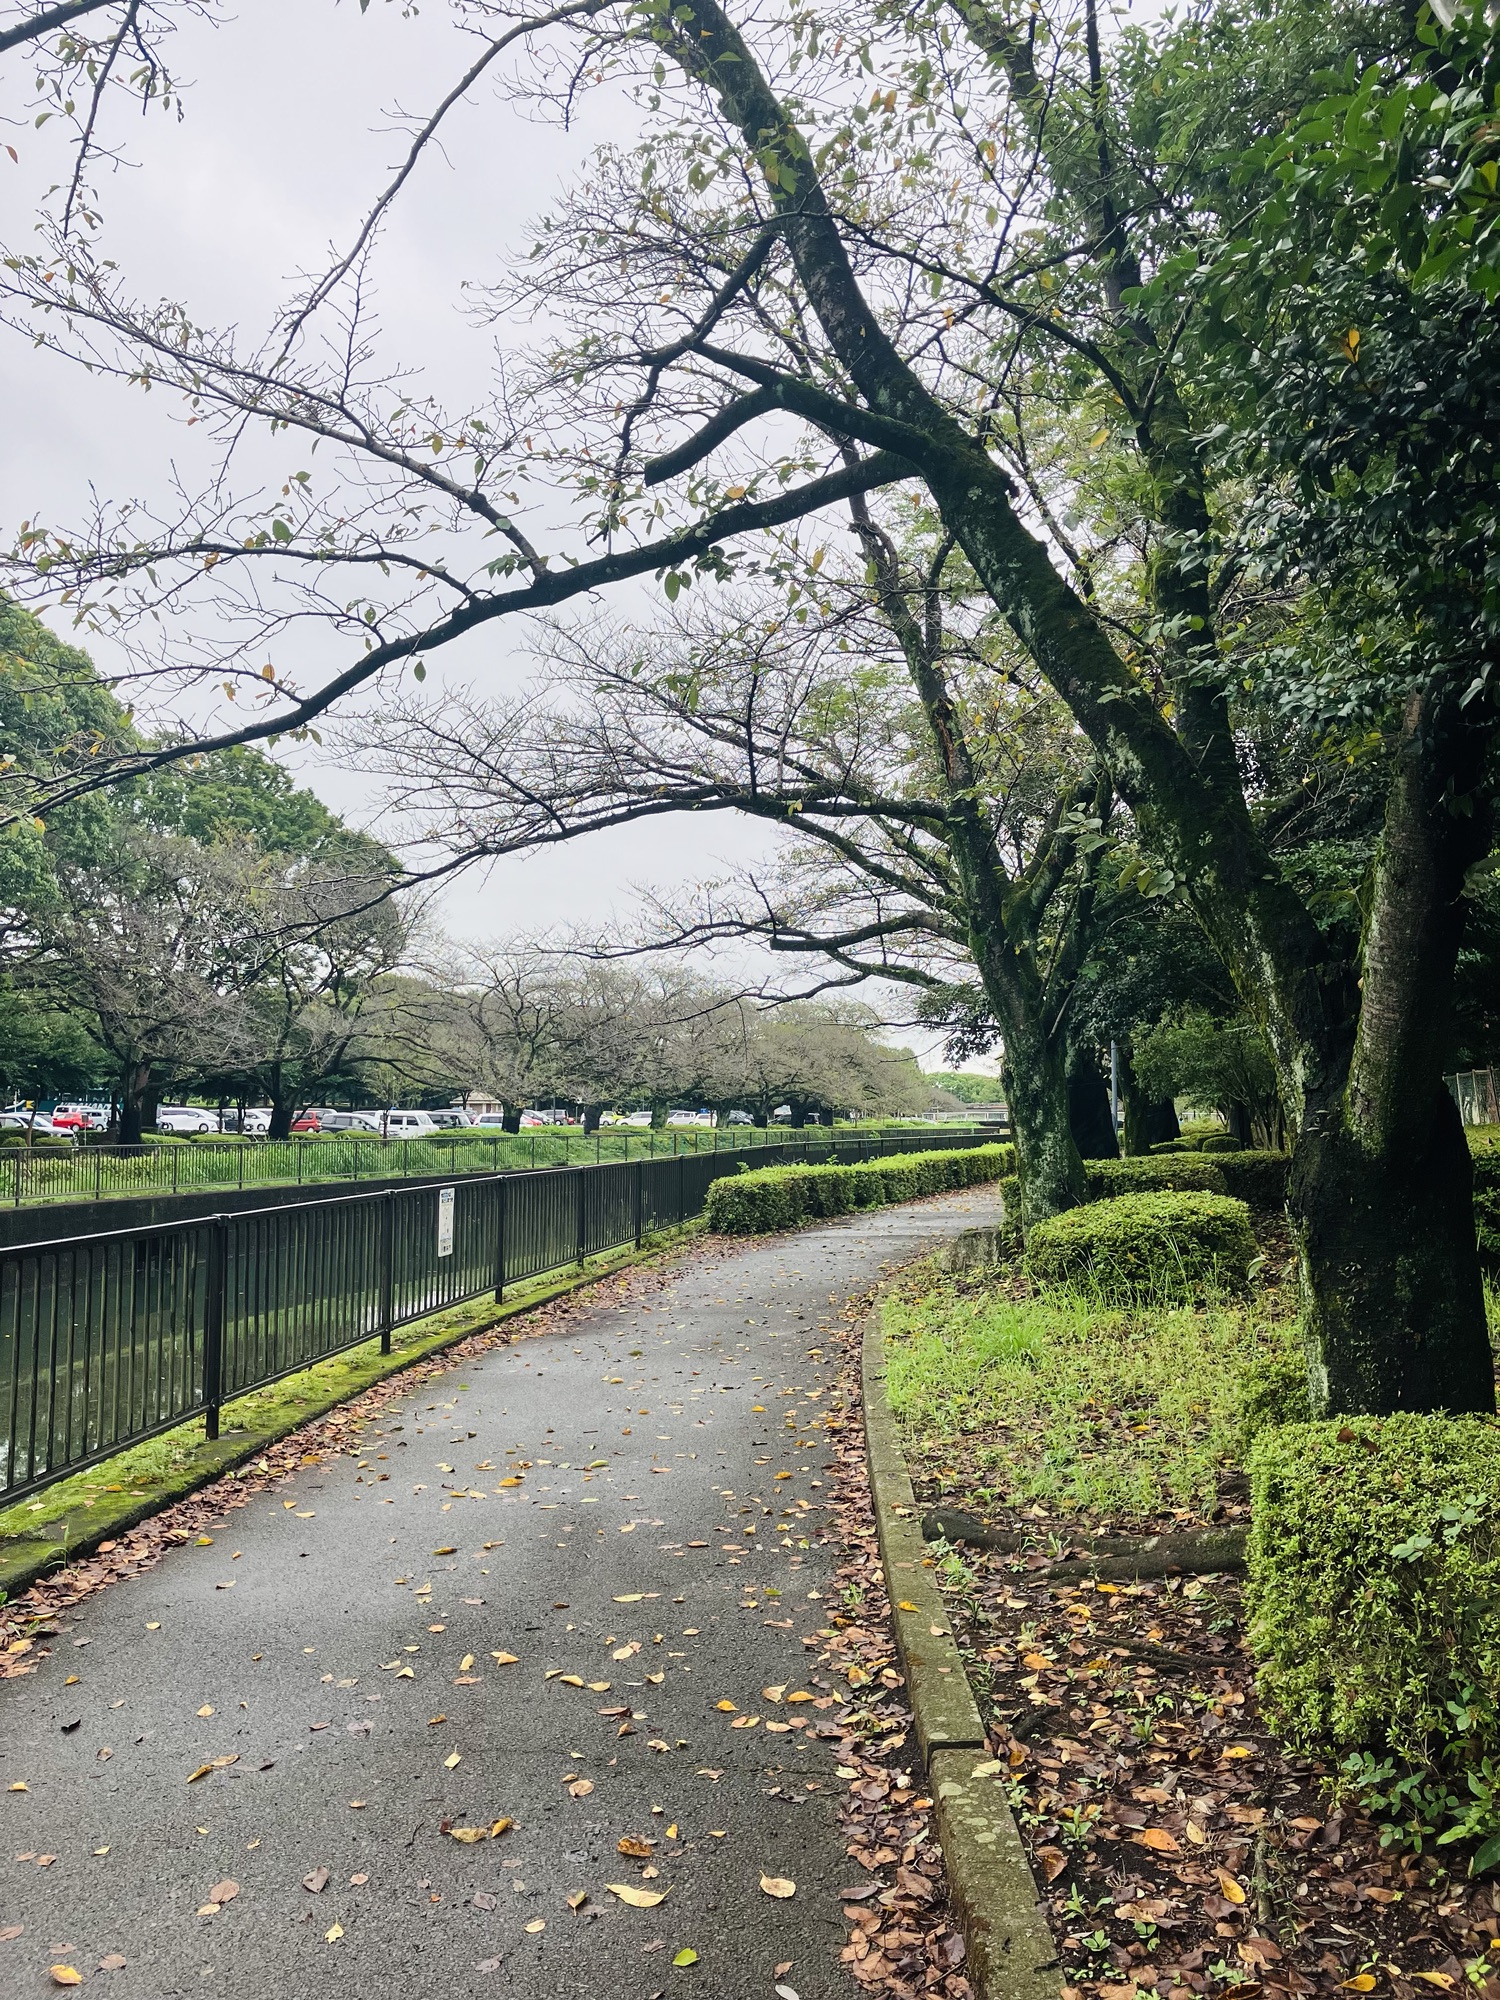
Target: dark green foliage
x=1010 y=1199
x=1156 y=1173
x=1374 y=1567
x=1273 y=1390
x=1220 y=1142
x=770 y=1198
x=1486 y=1154
x=1151 y=1247
x=1259 y=1179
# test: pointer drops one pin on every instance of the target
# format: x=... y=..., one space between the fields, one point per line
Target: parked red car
x=307 y=1122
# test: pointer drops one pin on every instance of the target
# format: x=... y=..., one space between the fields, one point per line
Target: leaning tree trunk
x=283 y=1110
x=1382 y=1182
x=1089 y=1118
x=135 y=1089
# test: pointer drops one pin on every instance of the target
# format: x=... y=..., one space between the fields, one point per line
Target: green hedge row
x=1374 y=1581
x=760 y=1199
x=1257 y=1178
x=1487 y=1200
x=1146 y=1247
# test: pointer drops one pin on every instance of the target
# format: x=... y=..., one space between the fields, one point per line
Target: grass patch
x=1084 y=1409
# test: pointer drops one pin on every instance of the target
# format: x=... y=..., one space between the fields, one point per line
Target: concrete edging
x=30 y=1558
x=1011 y=1951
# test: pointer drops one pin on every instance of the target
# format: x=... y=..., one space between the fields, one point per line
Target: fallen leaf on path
x=636 y=1848
x=19 y=1786
x=1443 y=1979
x=577 y=1900
x=223 y=1892
x=537 y=1924
x=501 y=1826
x=778 y=1886
x=317 y=1882
x=445 y=1551
x=1159 y=1841
x=687 y=1956
x=10 y=1931
x=450 y=1762
x=580 y=1788
x=112 y=1961
x=638 y=1899
x=65 y=1975
x=1362 y=1982
x=505 y=1659
x=205 y=1710
x=468 y=1834
x=333 y=1933
x=1229 y=1889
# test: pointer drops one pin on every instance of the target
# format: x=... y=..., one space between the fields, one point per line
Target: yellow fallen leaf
x=445 y=1550
x=1229 y=1889
x=1158 y=1839
x=631 y=1597
x=205 y=1541
x=599 y=1687
x=801 y=1695
x=501 y=1826
x=469 y=1834
x=201 y=1772
x=19 y=1786
x=638 y=1899
x=1237 y=1750
x=672 y=1831
x=726 y=1708
x=205 y=1710
x=333 y=1933
x=687 y=1956
x=510 y=1482
x=571 y=1680
x=537 y=1924
x=1034 y=1662
x=450 y=1762
x=504 y=1659
x=634 y=1848
x=1195 y=1833
x=1362 y=1982
x=465 y=1663
x=778 y=1885
x=1442 y=1979
x=65 y=1975
x=578 y=1898
x=154 y=1627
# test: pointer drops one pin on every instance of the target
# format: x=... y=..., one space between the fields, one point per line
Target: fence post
x=582 y=1199
x=213 y=1325
x=500 y=1243
x=98 y=1170
x=681 y=1188
x=639 y=1197
x=17 y=1165
x=387 y=1267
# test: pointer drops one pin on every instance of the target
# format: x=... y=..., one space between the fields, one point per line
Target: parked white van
x=395 y=1124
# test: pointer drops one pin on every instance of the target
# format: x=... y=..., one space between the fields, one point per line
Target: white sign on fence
x=445 y=1222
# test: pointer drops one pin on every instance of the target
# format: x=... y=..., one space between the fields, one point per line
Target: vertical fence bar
x=582 y=1216
x=213 y=1324
x=387 y=1267
x=638 y=1195
x=500 y=1240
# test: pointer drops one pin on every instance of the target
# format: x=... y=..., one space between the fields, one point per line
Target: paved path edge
x=29 y=1559
x=1011 y=1952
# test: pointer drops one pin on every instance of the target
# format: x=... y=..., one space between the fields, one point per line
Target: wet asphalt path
x=331 y=1656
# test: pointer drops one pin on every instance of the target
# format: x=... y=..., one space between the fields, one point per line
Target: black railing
x=110 y=1339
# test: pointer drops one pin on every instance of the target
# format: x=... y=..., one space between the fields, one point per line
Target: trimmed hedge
x=1487 y=1201
x=1155 y=1173
x=1374 y=1585
x=1221 y=1142
x=1257 y=1178
x=766 y=1198
x=1151 y=1247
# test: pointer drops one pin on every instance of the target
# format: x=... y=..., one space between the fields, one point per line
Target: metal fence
x=1477 y=1095
x=109 y=1339
x=185 y=1166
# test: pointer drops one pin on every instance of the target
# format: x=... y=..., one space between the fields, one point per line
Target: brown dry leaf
x=65 y=1975
x=8 y=1932
x=578 y=1898
x=1229 y=1889
x=317 y=1882
x=1158 y=1840
x=636 y=1848
x=504 y=1659
x=1053 y=1861
x=223 y=1892
x=580 y=1788
x=778 y=1886
x=201 y=1772
x=571 y=1680
x=113 y=1961
x=638 y=1899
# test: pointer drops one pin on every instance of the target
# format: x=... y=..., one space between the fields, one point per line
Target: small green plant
x=773 y=1198
x=1156 y=1173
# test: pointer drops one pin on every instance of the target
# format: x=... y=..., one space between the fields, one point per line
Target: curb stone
x=1011 y=1952
x=25 y=1559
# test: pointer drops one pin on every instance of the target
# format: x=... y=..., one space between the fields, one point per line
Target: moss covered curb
x=1011 y=1953
x=298 y=1399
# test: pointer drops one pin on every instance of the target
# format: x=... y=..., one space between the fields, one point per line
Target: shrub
x=1374 y=1577
x=1273 y=1389
x=1257 y=1178
x=1010 y=1206
x=1155 y=1173
x=1487 y=1200
x=770 y=1198
x=1146 y=1246
x=1175 y=1146
x=1220 y=1142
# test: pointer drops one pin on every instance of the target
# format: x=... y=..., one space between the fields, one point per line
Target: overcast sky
x=289 y=126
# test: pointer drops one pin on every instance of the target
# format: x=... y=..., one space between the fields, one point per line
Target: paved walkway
x=630 y=1508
